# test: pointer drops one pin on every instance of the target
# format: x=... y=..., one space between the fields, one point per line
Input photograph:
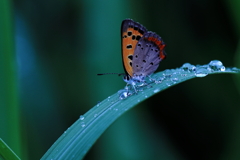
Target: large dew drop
x=216 y=65
x=201 y=72
x=124 y=93
x=188 y=67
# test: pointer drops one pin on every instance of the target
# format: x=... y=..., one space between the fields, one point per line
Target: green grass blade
x=6 y=152
x=77 y=140
x=9 y=109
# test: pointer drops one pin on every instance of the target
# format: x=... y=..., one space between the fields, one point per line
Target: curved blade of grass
x=9 y=108
x=6 y=152
x=77 y=140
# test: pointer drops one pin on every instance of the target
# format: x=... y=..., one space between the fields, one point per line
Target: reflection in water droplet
x=124 y=93
x=201 y=72
x=222 y=68
x=188 y=67
x=216 y=65
x=81 y=117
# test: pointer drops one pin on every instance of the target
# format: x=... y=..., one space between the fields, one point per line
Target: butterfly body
x=142 y=52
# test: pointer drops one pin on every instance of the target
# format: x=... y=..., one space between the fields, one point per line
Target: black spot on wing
x=130 y=57
x=129 y=46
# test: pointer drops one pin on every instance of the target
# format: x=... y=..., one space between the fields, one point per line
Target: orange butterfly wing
x=131 y=32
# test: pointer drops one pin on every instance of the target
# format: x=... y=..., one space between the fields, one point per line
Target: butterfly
x=142 y=51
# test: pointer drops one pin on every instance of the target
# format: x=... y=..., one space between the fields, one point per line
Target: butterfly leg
x=133 y=86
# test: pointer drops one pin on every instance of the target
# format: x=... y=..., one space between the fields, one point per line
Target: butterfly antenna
x=119 y=74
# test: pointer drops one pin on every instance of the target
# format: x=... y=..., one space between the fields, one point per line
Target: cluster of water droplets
x=204 y=70
x=82 y=119
x=172 y=76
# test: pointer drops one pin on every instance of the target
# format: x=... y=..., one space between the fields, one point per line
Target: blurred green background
x=51 y=51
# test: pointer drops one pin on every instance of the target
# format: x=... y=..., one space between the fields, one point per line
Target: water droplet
x=222 y=68
x=138 y=100
x=95 y=115
x=188 y=67
x=123 y=93
x=159 y=79
x=235 y=69
x=115 y=109
x=81 y=117
x=146 y=96
x=83 y=124
x=216 y=65
x=201 y=72
x=174 y=79
x=156 y=90
x=167 y=73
